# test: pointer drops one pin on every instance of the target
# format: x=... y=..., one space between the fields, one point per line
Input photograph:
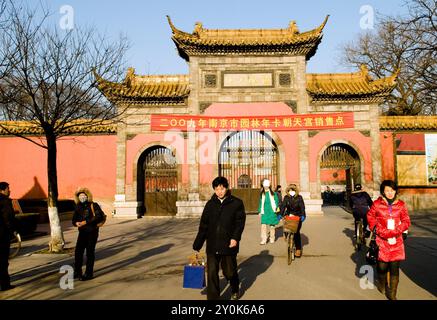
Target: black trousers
x=85 y=241
x=393 y=267
x=297 y=240
x=4 y=264
x=229 y=269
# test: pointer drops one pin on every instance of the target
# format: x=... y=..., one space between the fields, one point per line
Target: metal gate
x=161 y=182
x=343 y=156
x=245 y=159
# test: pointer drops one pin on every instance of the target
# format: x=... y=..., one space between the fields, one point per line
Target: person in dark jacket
x=360 y=203
x=87 y=216
x=221 y=225
x=293 y=204
x=7 y=228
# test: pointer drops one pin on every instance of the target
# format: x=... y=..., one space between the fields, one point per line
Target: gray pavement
x=144 y=259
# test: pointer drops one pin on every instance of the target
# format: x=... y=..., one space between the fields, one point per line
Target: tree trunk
x=57 y=242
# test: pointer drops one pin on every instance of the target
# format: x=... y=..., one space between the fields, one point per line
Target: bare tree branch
x=408 y=43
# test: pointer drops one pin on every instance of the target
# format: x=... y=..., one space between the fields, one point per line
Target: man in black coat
x=221 y=225
x=7 y=228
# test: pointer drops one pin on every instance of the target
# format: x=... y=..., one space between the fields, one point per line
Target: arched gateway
x=246 y=158
x=157 y=181
x=340 y=159
x=257 y=81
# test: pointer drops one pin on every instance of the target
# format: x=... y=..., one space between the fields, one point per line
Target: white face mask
x=266 y=183
x=83 y=198
x=292 y=193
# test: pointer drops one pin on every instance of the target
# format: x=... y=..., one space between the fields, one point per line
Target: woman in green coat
x=268 y=206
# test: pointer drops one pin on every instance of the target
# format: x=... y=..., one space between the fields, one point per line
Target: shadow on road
x=420 y=262
x=250 y=269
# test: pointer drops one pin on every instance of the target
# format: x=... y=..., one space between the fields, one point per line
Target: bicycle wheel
x=15 y=246
x=360 y=236
x=291 y=249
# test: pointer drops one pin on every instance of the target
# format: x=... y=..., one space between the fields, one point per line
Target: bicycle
x=290 y=226
x=15 y=246
x=359 y=235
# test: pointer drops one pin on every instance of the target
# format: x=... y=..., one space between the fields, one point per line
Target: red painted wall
x=82 y=161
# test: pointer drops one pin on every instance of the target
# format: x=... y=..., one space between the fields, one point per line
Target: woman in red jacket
x=390 y=216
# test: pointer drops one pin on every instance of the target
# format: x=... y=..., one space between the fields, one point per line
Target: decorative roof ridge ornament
x=293 y=27
x=129 y=80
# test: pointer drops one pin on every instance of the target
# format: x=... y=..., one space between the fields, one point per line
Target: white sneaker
x=262 y=243
x=272 y=241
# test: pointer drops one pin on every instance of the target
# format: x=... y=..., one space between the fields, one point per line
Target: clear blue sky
x=153 y=51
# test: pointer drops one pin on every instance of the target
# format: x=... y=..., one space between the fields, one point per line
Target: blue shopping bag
x=194 y=277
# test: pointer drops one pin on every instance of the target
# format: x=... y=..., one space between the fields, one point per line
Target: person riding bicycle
x=293 y=204
x=360 y=204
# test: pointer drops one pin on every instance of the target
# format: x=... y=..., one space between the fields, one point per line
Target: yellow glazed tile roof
x=253 y=41
x=156 y=89
x=408 y=123
x=349 y=87
x=29 y=128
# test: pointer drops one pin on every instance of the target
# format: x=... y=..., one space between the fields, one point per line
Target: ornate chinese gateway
x=247 y=110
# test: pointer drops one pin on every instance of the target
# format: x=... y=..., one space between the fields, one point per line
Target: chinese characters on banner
x=274 y=123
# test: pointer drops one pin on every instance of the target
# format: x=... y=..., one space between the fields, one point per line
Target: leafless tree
x=51 y=85
x=407 y=43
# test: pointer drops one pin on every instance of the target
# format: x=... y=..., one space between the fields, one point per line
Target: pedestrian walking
x=221 y=226
x=87 y=217
x=7 y=229
x=268 y=209
x=293 y=204
x=390 y=217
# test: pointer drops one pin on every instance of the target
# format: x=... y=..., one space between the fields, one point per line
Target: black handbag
x=372 y=252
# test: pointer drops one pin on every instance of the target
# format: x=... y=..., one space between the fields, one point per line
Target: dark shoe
x=77 y=275
x=235 y=296
x=86 y=277
x=367 y=234
x=7 y=288
x=391 y=293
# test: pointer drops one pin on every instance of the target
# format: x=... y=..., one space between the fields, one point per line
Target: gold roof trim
x=408 y=123
x=255 y=41
x=169 y=89
x=8 y=128
x=349 y=86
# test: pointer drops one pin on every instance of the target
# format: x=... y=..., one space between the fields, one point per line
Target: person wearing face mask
x=293 y=204
x=268 y=207
x=390 y=217
x=87 y=217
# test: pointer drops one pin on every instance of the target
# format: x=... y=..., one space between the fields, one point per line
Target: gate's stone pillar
x=376 y=148
x=193 y=207
x=123 y=209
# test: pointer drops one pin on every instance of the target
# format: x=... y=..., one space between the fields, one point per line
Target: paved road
x=144 y=259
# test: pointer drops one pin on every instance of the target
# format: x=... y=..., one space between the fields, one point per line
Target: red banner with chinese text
x=274 y=123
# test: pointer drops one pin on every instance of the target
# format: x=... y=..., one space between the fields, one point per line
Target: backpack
x=101 y=223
